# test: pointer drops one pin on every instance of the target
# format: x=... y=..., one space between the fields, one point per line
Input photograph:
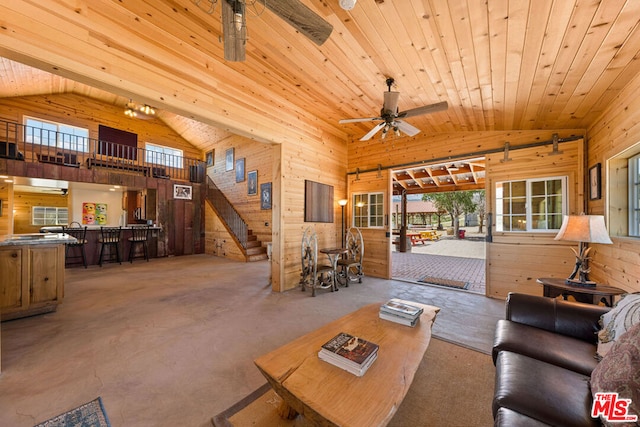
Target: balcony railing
x=30 y=144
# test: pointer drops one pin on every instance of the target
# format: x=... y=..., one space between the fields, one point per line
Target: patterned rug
x=445 y=282
x=91 y=414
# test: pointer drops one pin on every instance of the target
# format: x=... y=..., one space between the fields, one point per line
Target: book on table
x=399 y=319
x=349 y=352
x=399 y=311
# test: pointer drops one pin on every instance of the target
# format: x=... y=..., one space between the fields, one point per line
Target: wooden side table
x=553 y=287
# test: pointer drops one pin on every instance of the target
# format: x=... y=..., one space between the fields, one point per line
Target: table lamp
x=583 y=229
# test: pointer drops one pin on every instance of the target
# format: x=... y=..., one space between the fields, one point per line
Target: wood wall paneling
x=612 y=138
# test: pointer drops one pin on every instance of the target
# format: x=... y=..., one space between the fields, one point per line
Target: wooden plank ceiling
x=500 y=64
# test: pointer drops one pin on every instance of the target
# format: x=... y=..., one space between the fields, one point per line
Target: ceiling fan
x=390 y=117
x=294 y=12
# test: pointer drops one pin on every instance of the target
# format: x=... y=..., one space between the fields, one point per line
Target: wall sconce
x=583 y=229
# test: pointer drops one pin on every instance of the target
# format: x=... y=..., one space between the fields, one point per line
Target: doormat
x=91 y=414
x=444 y=282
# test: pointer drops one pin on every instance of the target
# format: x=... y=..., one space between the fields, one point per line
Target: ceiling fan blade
x=406 y=128
x=300 y=17
x=373 y=131
x=364 y=119
x=391 y=102
x=427 y=109
x=234 y=38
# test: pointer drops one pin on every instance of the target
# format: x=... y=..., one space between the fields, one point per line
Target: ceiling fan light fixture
x=347 y=4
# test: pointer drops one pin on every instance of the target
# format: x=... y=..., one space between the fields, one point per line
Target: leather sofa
x=544 y=352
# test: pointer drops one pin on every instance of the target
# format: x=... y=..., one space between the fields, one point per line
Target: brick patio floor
x=448 y=258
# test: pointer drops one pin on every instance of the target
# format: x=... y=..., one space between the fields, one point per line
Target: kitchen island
x=32 y=279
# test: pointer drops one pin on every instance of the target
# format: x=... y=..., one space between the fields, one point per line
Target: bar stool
x=80 y=234
x=139 y=236
x=110 y=237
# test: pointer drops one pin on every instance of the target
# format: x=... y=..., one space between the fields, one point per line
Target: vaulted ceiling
x=500 y=64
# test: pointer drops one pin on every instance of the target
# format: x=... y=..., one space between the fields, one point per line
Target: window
x=54 y=134
x=368 y=210
x=45 y=215
x=531 y=205
x=634 y=196
x=161 y=155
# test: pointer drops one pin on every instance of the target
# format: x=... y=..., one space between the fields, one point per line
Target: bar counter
x=92 y=247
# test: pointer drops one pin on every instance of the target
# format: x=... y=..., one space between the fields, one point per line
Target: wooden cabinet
x=32 y=280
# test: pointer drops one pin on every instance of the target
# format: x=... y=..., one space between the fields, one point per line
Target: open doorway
x=441 y=208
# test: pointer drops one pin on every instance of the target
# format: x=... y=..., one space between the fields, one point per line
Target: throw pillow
x=619 y=372
x=617 y=321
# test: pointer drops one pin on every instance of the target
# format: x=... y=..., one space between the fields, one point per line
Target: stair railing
x=234 y=222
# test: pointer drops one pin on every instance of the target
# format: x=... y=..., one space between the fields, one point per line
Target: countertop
x=36 y=239
x=58 y=229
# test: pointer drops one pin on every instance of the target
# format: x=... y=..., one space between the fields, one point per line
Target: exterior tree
x=454 y=202
x=481 y=208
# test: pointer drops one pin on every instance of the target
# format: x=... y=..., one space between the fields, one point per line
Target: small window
x=166 y=156
x=634 y=196
x=368 y=210
x=46 y=215
x=531 y=205
x=52 y=134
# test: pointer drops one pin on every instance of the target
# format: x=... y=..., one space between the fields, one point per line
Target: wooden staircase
x=255 y=251
x=248 y=242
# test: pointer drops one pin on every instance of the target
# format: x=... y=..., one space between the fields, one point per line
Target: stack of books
x=399 y=311
x=350 y=353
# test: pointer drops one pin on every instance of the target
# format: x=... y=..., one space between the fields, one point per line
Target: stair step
x=259 y=257
x=254 y=244
x=256 y=250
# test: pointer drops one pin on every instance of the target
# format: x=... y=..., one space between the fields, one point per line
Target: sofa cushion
x=505 y=417
x=560 y=350
x=623 y=316
x=619 y=372
x=540 y=390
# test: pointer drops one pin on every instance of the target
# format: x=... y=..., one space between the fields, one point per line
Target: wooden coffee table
x=329 y=396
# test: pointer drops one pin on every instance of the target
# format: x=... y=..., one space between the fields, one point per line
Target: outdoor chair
x=351 y=264
x=313 y=275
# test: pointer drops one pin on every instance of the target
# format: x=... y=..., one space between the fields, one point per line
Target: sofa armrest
x=572 y=319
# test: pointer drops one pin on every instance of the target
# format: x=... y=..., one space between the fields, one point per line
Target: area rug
x=91 y=414
x=453 y=386
x=444 y=282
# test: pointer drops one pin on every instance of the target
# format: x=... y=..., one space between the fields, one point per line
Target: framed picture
x=595 y=186
x=228 y=159
x=240 y=170
x=265 y=195
x=252 y=183
x=182 y=191
x=209 y=158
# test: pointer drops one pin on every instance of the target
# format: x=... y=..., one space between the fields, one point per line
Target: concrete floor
x=171 y=342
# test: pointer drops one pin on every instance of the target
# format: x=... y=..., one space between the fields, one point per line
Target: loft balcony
x=35 y=145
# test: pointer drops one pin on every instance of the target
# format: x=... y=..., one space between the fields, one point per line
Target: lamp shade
x=584 y=228
x=342 y=202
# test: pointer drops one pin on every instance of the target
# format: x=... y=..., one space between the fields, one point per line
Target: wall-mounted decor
x=318 y=202
x=265 y=195
x=94 y=213
x=0 y=207
x=252 y=183
x=240 y=170
x=595 y=186
x=182 y=191
x=208 y=158
x=228 y=160
x=117 y=143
